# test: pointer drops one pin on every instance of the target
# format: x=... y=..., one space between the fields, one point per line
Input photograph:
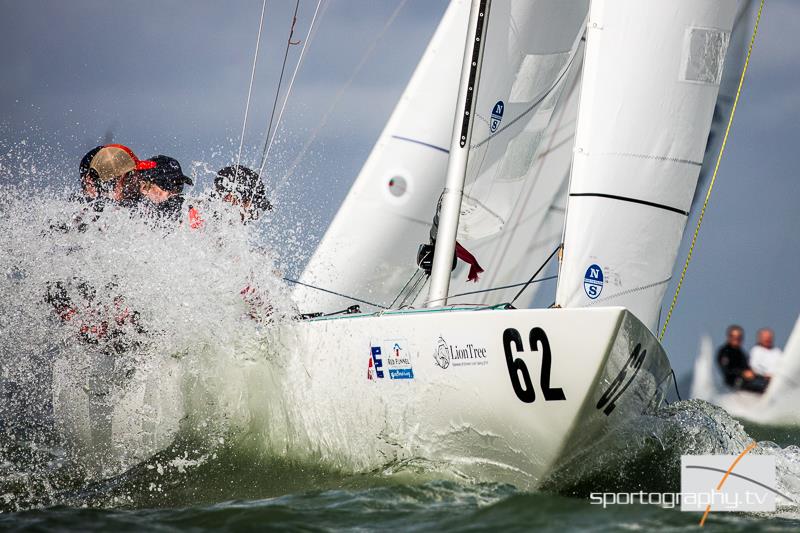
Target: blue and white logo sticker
x=497 y=116
x=593 y=281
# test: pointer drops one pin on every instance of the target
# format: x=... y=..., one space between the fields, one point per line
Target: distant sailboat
x=777 y=405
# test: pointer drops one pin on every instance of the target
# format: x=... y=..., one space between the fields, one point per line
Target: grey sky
x=171 y=77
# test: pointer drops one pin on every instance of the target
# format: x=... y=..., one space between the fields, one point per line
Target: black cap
x=244 y=184
x=167 y=174
x=86 y=162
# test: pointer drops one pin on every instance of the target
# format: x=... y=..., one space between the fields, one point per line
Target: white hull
x=447 y=398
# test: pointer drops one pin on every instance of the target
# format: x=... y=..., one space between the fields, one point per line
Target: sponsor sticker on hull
x=389 y=358
x=459 y=355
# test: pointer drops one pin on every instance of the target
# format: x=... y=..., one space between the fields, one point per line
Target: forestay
x=650 y=81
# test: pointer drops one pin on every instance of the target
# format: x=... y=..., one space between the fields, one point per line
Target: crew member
x=242 y=187
x=89 y=177
x=112 y=171
x=426 y=251
x=733 y=363
x=161 y=188
x=107 y=173
x=765 y=356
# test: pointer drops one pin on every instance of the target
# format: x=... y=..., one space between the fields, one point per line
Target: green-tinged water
x=429 y=506
x=232 y=489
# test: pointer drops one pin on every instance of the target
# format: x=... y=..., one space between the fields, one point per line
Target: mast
x=459 y=152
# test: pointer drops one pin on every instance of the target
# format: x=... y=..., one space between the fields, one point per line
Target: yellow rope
x=714 y=176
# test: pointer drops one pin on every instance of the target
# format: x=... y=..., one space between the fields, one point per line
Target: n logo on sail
x=593 y=281
x=497 y=116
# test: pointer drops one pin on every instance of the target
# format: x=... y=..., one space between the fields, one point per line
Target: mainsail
x=648 y=95
x=515 y=191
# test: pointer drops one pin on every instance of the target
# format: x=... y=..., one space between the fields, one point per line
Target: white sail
x=783 y=393
x=370 y=248
x=514 y=196
x=514 y=201
x=648 y=95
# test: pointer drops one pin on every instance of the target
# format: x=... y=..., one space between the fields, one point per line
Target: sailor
x=426 y=251
x=765 y=356
x=242 y=187
x=161 y=188
x=733 y=363
x=114 y=166
x=89 y=178
x=89 y=196
x=107 y=173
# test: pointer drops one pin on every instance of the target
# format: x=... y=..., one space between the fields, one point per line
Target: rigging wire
x=526 y=283
x=289 y=88
x=289 y=43
x=546 y=261
x=367 y=54
x=714 y=175
x=250 y=87
x=290 y=280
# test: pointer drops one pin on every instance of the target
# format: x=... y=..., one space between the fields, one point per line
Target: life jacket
x=195 y=220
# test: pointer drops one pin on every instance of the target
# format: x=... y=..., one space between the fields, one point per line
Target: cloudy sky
x=171 y=77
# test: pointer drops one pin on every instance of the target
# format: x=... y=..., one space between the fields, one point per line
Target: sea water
x=178 y=442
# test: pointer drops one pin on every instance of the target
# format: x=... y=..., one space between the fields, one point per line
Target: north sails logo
x=455 y=355
x=497 y=116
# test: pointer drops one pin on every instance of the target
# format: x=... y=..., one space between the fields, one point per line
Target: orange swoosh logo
x=725 y=477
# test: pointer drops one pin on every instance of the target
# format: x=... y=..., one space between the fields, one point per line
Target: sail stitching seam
x=630 y=291
x=645 y=156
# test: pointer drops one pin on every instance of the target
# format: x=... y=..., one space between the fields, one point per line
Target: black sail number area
x=518 y=370
x=608 y=401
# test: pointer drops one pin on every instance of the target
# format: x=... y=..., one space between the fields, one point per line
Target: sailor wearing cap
x=242 y=187
x=161 y=187
x=111 y=172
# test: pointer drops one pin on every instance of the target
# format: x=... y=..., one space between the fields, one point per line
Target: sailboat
x=776 y=406
x=540 y=127
x=607 y=106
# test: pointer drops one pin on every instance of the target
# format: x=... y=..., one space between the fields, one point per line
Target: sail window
x=704 y=55
x=398 y=186
x=535 y=75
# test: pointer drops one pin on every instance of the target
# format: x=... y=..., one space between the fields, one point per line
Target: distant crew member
x=242 y=187
x=764 y=356
x=733 y=363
